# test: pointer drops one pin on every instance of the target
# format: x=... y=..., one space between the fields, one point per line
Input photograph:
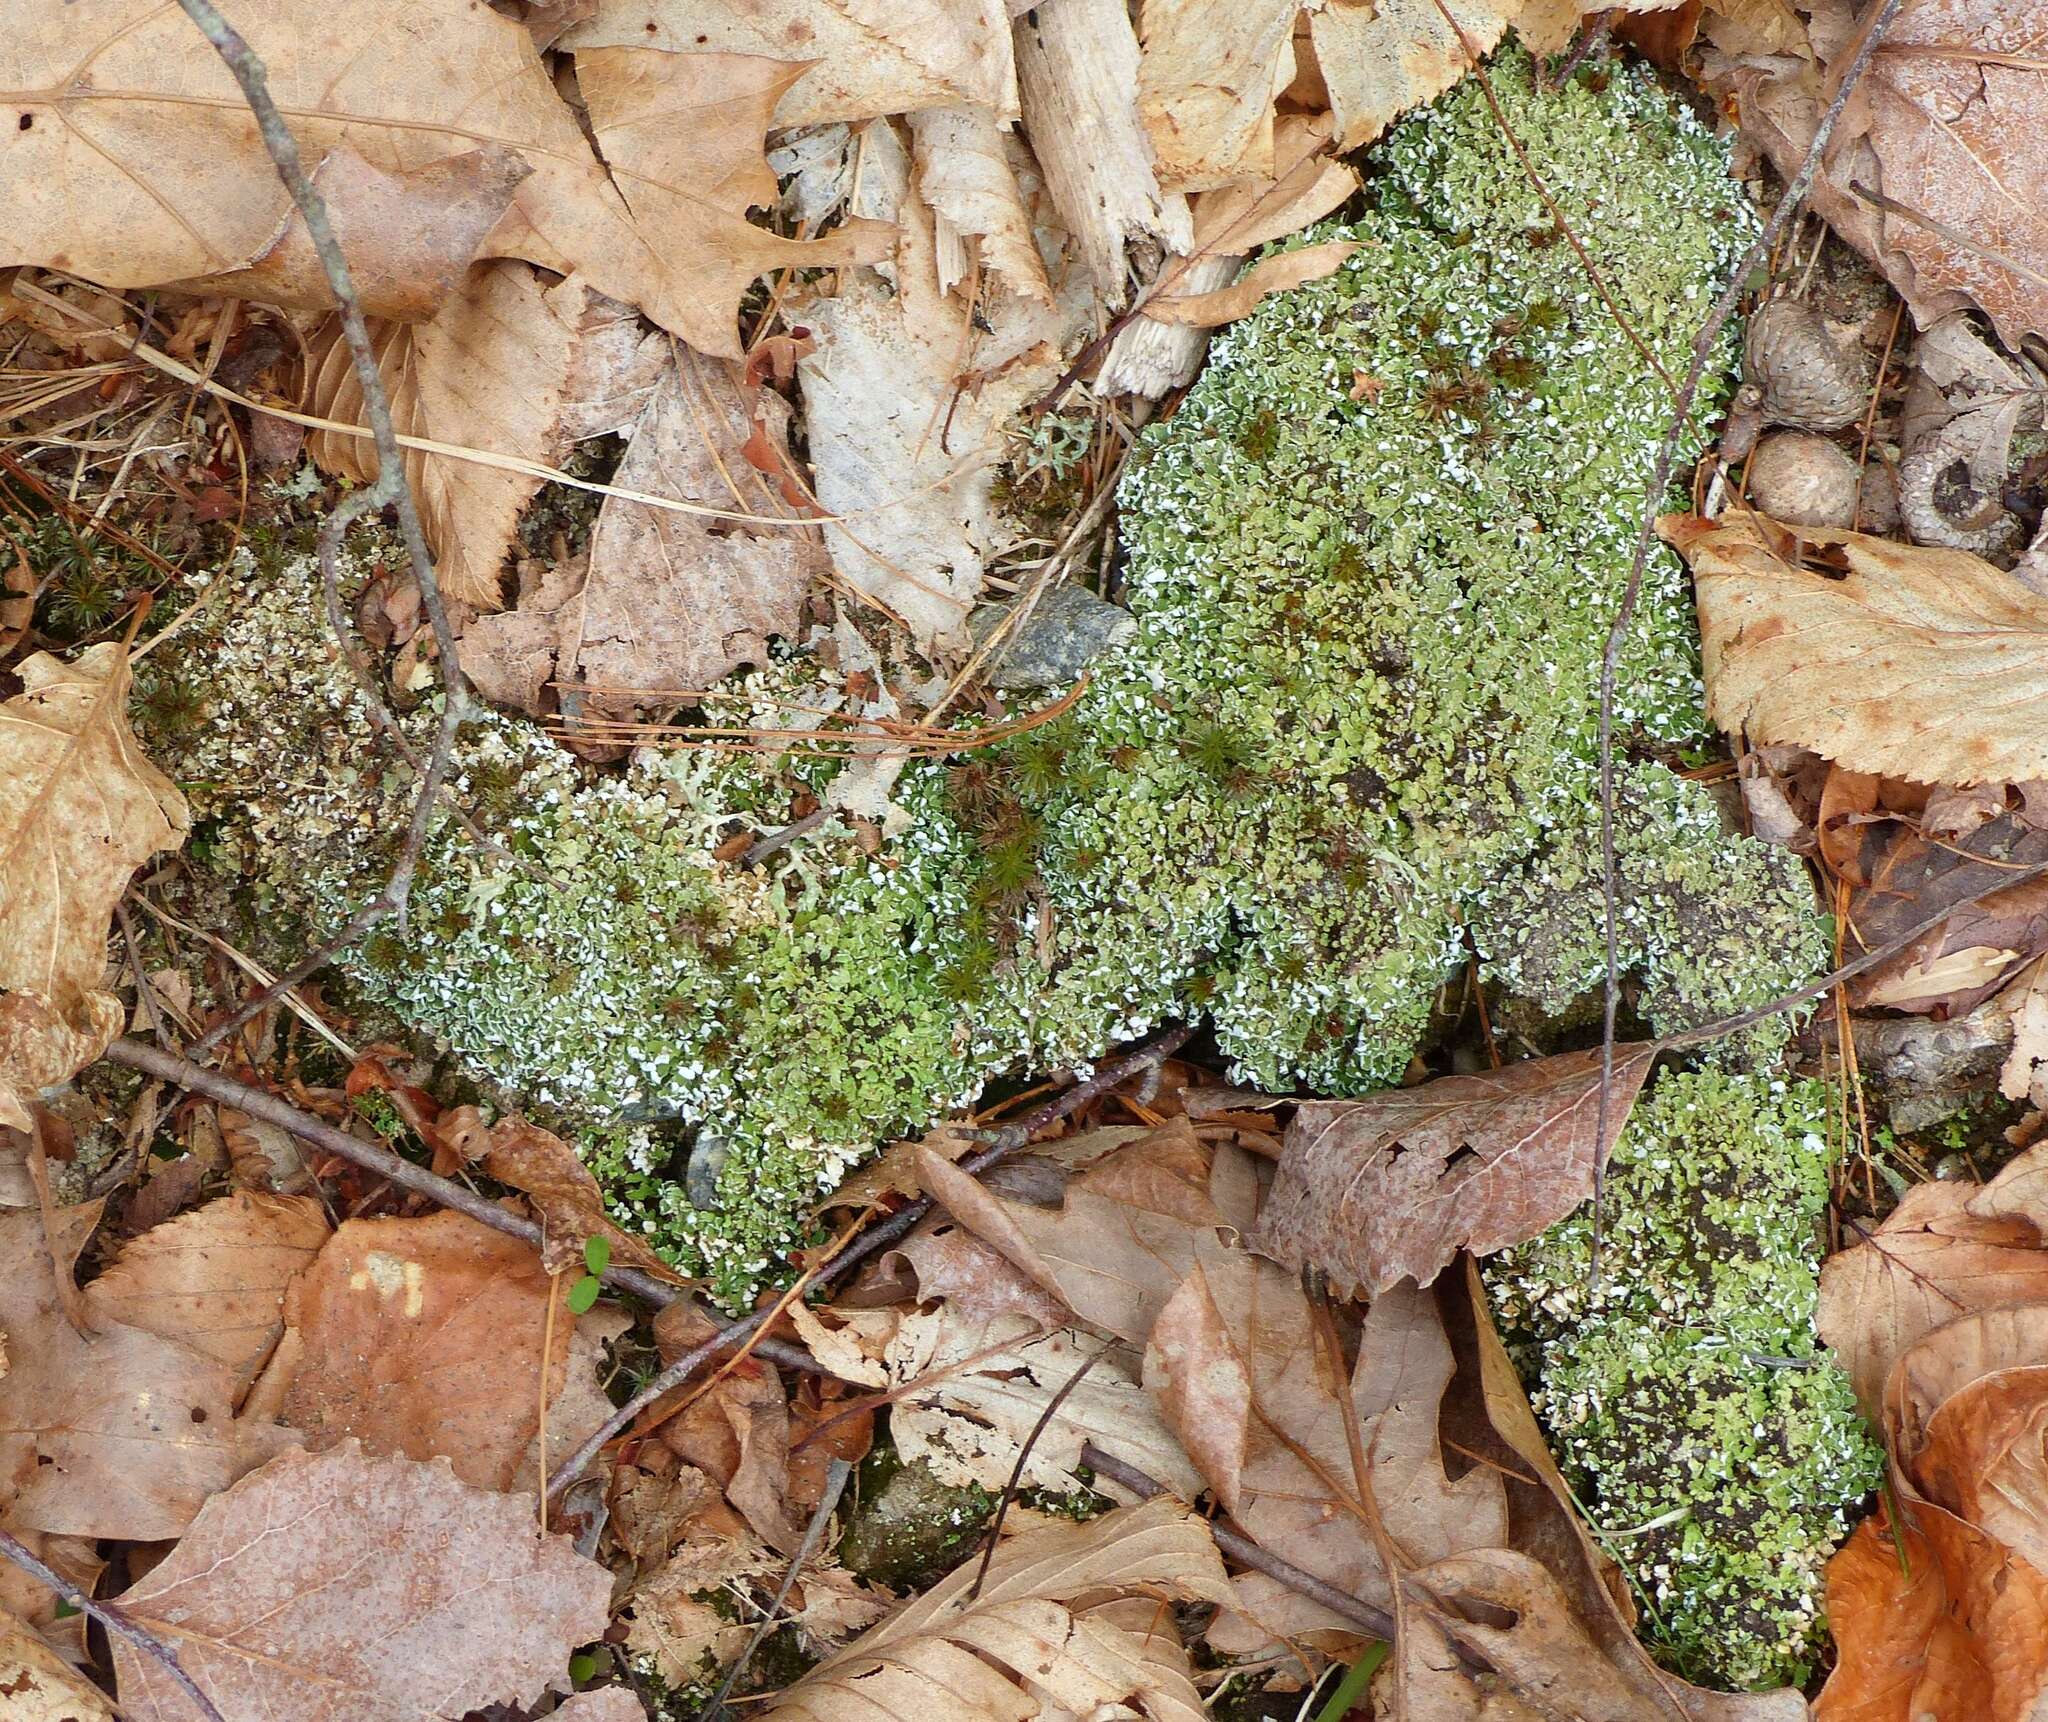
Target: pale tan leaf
x=489 y=371
x=81 y=807
x=214 y=1279
x=123 y=1435
x=424 y=1337
x=964 y=174
x=1945 y=1250
x=408 y=235
x=971 y=1394
x=40 y=1048
x=1393 y=1186
x=77 y=1560
x=853 y=1347
x=601 y=1704
x=1893 y=659
x=518 y=1152
x=943 y=1654
x=1275 y=274
x=1207 y=79
x=1307 y=183
x=1077 y=63
x=1379 y=61
x=1126 y=1234
x=857 y=59
x=36 y=1685
x=333 y=1587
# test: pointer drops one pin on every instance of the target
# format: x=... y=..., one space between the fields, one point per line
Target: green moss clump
x=1354 y=729
x=1711 y=1439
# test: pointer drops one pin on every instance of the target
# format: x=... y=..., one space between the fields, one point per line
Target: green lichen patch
x=1371 y=563
x=1710 y=1437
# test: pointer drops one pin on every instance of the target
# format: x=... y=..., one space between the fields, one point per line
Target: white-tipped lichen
x=1372 y=561
x=1711 y=1439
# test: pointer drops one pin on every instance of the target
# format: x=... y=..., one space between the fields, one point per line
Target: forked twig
x=115 y=1619
x=389 y=489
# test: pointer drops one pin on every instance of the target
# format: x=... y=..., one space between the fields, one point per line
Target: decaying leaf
x=1893 y=659
x=80 y=808
x=973 y=1394
x=1206 y=85
x=140 y=163
x=857 y=61
x=518 y=1152
x=333 y=1586
x=37 y=1685
x=122 y=1435
x=1945 y=1250
x=1275 y=274
x=1128 y=1231
x=424 y=1337
x=1393 y=1186
x=1049 y=1626
x=214 y=1279
x=34 y=1603
x=964 y=173
x=1244 y=1375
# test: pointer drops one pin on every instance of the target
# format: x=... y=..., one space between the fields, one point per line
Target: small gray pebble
x=708 y=1155
x=1954 y=1169
x=1067 y=630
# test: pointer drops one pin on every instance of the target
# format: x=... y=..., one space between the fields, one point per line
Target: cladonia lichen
x=1711 y=1439
x=1351 y=740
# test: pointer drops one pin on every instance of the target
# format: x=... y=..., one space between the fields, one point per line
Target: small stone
x=708 y=1155
x=1068 y=628
x=1954 y=1169
x=1803 y=480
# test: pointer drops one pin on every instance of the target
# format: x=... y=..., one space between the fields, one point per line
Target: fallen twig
x=836 y=1475
x=390 y=489
x=373 y=1157
x=875 y=1238
x=1045 y=1417
x=115 y=1619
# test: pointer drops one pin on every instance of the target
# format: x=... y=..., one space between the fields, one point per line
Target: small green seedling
x=597 y=1256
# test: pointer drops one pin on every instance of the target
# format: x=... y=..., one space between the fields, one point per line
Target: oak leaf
x=80 y=808
x=334 y=1587
x=1895 y=659
x=1393 y=1186
x=424 y=1337
x=1053 y=1624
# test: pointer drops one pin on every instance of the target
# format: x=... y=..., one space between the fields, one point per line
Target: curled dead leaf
x=1275 y=274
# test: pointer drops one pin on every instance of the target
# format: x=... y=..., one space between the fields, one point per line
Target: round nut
x=1803 y=480
x=1802 y=375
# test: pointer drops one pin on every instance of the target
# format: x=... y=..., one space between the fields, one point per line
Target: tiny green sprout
x=597 y=1253
x=65 y=1610
x=583 y=1294
x=1216 y=750
x=1040 y=766
x=582 y=1667
x=1010 y=868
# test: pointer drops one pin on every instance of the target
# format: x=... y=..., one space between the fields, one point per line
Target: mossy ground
x=1712 y=1440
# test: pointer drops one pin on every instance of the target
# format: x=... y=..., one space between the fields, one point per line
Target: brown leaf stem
x=115 y=1620
x=874 y=1239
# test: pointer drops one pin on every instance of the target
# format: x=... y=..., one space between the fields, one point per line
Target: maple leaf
x=81 y=808
x=333 y=1587
x=1055 y=1608
x=1393 y=1186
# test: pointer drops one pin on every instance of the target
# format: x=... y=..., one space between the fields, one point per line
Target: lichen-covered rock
x=1711 y=1438
x=1351 y=736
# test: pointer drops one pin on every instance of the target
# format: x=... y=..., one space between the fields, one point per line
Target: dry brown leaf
x=1945 y=1250
x=124 y=1435
x=332 y=1587
x=489 y=371
x=1048 y=1609
x=1207 y=80
x=971 y=1394
x=36 y=1685
x=1888 y=658
x=1129 y=1228
x=1274 y=274
x=964 y=173
x=1266 y=1413
x=77 y=1560
x=858 y=60
x=946 y=1260
x=424 y=1337
x=409 y=235
x=519 y=1152
x=1393 y=1186
x=81 y=808
x=214 y=1279
x=1950 y=1625
x=140 y=163
x=601 y=1704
